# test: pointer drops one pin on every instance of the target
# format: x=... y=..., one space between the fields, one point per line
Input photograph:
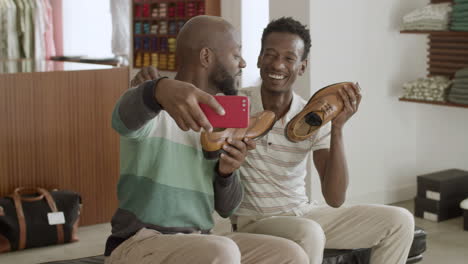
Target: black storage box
x=437 y=210
x=465 y=221
x=464 y=207
x=444 y=185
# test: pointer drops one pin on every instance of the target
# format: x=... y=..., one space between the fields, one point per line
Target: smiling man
x=167 y=191
x=273 y=174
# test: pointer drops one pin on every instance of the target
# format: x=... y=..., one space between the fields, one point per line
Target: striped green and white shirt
x=165 y=182
x=273 y=174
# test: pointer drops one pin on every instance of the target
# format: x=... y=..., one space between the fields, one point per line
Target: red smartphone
x=236 y=108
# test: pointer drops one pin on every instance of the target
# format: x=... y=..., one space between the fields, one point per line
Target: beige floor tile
x=447 y=243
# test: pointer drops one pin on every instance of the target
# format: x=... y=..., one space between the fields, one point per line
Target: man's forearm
x=335 y=181
x=138 y=106
x=228 y=194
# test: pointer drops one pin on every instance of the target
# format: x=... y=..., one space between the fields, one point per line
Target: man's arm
x=134 y=109
x=180 y=100
x=331 y=163
x=228 y=190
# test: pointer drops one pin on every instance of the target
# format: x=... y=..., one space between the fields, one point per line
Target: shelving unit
x=156 y=24
x=447 y=53
x=433 y=103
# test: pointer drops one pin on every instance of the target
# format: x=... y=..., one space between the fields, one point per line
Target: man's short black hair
x=289 y=25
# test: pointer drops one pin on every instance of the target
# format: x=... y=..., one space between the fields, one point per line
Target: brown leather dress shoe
x=322 y=107
x=259 y=125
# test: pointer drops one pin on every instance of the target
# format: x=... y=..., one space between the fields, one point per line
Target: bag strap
x=43 y=193
x=21 y=221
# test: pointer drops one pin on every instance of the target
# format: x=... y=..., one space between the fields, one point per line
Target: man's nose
x=278 y=64
x=242 y=63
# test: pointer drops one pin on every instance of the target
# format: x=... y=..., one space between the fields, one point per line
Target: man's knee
x=219 y=250
x=288 y=251
x=401 y=220
x=402 y=217
x=309 y=234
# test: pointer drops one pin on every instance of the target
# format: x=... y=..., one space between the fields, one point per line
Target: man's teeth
x=276 y=76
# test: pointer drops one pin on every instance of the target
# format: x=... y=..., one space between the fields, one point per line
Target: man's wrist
x=336 y=131
x=226 y=180
x=220 y=173
x=149 y=97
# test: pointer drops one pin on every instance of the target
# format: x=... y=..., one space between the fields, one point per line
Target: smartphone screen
x=236 y=108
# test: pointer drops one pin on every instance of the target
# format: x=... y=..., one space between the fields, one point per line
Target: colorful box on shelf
x=156 y=24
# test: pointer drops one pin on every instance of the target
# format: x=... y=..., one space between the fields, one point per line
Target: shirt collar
x=256 y=104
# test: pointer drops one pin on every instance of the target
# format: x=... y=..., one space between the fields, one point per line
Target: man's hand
x=351 y=96
x=236 y=151
x=181 y=101
x=145 y=74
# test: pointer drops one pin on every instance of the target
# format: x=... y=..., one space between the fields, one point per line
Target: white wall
x=442 y=138
x=360 y=41
x=299 y=10
x=388 y=143
x=87 y=28
x=254 y=18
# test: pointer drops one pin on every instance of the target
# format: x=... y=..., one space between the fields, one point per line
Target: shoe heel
x=313 y=119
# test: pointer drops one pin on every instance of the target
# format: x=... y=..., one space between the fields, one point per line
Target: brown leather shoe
x=259 y=124
x=322 y=107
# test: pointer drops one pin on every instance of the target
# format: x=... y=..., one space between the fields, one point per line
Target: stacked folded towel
x=427 y=89
x=460 y=16
x=459 y=92
x=430 y=17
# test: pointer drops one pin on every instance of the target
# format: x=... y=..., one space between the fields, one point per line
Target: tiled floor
x=447 y=243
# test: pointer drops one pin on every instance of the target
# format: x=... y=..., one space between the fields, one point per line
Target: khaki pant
x=149 y=246
x=388 y=230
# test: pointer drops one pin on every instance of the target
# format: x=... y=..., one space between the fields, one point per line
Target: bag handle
x=17 y=198
x=29 y=190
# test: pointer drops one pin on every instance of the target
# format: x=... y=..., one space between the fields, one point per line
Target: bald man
x=167 y=191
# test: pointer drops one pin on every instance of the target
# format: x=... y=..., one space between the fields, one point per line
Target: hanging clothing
x=26 y=30
x=48 y=30
x=3 y=28
x=39 y=31
x=9 y=38
x=120 y=27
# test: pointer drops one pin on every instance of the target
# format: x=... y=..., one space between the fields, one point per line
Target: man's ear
x=303 y=67
x=206 y=57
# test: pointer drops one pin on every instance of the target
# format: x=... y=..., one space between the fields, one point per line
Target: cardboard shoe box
x=464 y=207
x=465 y=220
x=443 y=185
x=437 y=210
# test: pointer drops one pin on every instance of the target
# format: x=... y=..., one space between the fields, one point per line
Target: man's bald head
x=209 y=53
x=203 y=32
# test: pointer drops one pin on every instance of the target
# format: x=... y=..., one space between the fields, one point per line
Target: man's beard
x=224 y=82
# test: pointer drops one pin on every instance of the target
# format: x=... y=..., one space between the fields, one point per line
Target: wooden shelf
x=156 y=35
x=433 y=103
x=444 y=33
x=157 y=19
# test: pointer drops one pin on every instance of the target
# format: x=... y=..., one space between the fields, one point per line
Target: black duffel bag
x=33 y=217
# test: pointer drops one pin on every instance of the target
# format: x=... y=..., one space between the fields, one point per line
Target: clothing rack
x=26 y=29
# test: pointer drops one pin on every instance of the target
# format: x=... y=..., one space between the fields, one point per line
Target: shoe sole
x=211 y=155
x=314 y=128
